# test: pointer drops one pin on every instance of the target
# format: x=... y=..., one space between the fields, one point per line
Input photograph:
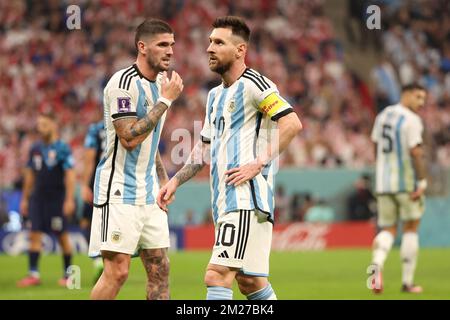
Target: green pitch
x=337 y=274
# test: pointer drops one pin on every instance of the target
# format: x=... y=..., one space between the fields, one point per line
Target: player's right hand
x=166 y=194
x=171 y=88
x=24 y=208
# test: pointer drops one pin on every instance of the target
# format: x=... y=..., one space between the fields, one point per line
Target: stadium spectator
x=361 y=203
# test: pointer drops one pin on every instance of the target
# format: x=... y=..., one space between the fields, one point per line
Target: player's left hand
x=166 y=194
x=242 y=174
x=416 y=194
x=68 y=207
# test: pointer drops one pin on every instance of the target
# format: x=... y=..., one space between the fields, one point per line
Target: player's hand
x=416 y=195
x=171 y=88
x=238 y=176
x=167 y=194
x=24 y=207
x=86 y=194
x=68 y=207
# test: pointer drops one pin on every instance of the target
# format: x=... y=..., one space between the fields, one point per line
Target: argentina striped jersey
x=240 y=121
x=123 y=176
x=396 y=131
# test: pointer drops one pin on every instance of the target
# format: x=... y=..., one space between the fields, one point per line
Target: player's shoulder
x=61 y=148
x=415 y=119
x=122 y=79
x=387 y=110
x=62 y=145
x=256 y=80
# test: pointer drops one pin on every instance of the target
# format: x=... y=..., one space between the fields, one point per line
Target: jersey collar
x=140 y=73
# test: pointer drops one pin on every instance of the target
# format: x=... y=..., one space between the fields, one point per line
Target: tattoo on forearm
x=149 y=122
x=160 y=170
x=187 y=172
x=193 y=165
x=156 y=263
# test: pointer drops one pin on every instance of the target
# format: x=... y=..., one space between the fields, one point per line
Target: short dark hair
x=151 y=27
x=236 y=24
x=413 y=86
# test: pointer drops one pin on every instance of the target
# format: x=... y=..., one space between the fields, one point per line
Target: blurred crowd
x=44 y=65
x=416 y=48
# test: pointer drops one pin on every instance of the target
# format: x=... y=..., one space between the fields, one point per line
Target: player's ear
x=241 y=50
x=141 y=47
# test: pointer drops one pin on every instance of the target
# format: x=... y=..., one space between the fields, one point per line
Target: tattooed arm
x=160 y=170
x=194 y=164
x=132 y=132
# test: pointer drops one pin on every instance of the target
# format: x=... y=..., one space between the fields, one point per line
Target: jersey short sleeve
x=266 y=96
x=121 y=103
x=66 y=157
x=414 y=131
x=205 y=134
x=374 y=135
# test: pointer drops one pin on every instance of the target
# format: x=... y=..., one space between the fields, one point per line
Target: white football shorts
x=126 y=228
x=243 y=240
x=392 y=207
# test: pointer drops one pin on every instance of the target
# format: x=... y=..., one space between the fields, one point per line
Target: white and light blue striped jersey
x=396 y=131
x=239 y=122
x=123 y=176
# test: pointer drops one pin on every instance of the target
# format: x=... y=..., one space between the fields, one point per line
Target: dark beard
x=222 y=68
x=154 y=65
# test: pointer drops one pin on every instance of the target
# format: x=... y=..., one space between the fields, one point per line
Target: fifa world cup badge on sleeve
x=124 y=104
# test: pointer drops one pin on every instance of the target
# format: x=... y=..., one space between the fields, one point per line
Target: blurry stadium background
x=335 y=71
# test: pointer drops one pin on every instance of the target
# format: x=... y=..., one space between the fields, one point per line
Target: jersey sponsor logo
x=271 y=104
x=124 y=104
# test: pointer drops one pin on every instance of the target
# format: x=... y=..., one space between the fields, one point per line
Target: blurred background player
x=94 y=147
x=242 y=173
x=400 y=182
x=125 y=216
x=48 y=195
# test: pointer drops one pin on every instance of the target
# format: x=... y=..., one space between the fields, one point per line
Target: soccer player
x=48 y=195
x=94 y=145
x=400 y=183
x=125 y=216
x=241 y=115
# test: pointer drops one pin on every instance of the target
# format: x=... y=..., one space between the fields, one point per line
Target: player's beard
x=156 y=64
x=221 y=67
